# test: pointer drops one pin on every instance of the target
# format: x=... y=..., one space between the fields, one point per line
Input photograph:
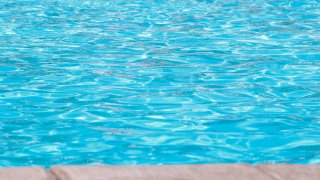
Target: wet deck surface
x=180 y=172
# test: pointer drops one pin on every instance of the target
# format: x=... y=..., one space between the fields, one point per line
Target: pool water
x=159 y=82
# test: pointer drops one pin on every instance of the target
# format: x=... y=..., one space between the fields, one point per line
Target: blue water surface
x=159 y=82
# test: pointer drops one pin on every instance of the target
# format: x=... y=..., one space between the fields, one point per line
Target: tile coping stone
x=25 y=173
x=296 y=172
x=187 y=172
x=166 y=172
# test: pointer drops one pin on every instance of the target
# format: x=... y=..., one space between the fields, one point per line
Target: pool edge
x=166 y=172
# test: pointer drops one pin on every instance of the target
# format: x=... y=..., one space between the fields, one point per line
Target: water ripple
x=159 y=82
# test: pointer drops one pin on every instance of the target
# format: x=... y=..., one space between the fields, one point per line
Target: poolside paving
x=191 y=172
x=296 y=172
x=25 y=173
x=169 y=172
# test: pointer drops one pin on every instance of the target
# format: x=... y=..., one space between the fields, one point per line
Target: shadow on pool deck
x=180 y=172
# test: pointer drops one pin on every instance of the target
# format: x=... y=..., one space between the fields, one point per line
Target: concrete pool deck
x=170 y=172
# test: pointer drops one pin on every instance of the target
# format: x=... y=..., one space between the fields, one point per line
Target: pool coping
x=166 y=172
